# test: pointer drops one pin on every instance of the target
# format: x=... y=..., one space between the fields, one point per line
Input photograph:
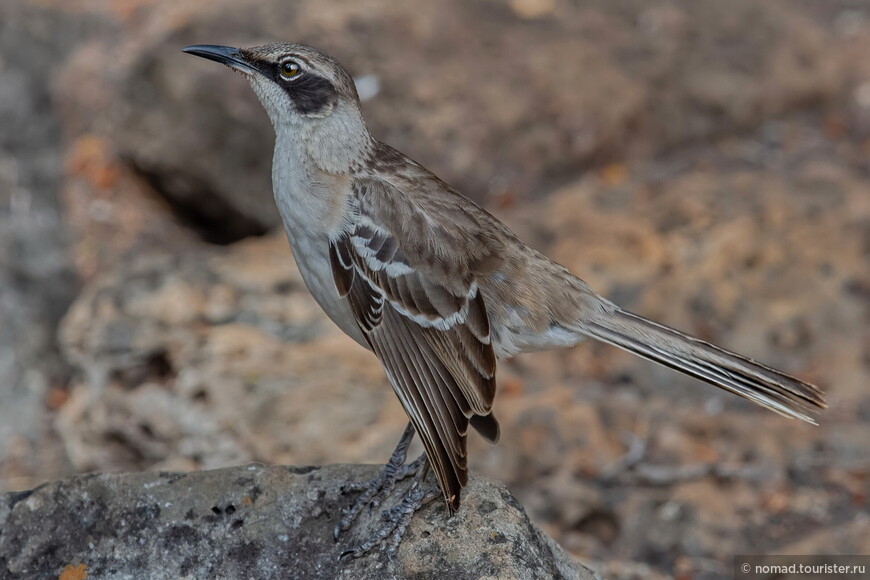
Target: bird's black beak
x=232 y=57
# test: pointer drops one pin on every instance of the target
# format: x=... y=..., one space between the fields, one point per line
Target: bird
x=433 y=284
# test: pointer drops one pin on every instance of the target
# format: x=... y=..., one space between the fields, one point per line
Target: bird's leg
x=374 y=492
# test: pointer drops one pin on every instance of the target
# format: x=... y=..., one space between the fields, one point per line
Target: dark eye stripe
x=310 y=93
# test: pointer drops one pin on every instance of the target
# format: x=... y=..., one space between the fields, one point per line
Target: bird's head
x=302 y=89
x=292 y=80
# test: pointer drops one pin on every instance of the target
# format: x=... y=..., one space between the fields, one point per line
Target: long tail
x=760 y=384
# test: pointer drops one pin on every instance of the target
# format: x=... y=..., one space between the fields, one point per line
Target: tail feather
x=760 y=384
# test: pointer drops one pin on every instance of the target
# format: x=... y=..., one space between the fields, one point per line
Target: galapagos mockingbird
x=433 y=284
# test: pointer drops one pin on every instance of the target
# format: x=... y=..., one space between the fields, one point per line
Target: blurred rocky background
x=704 y=163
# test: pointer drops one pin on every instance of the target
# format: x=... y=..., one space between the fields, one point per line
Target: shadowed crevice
x=197 y=207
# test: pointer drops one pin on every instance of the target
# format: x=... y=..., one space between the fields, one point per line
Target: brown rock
x=216 y=358
x=510 y=106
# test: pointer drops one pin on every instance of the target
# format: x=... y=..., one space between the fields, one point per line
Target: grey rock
x=37 y=281
x=258 y=522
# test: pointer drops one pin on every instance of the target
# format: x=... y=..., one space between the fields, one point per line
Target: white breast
x=313 y=206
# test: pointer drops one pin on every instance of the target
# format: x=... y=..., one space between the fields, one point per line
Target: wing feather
x=427 y=324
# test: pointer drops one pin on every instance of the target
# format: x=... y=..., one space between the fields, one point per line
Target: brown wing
x=430 y=332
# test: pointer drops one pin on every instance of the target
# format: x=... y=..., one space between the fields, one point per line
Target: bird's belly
x=312 y=258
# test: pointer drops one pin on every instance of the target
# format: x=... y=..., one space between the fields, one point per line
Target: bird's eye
x=290 y=69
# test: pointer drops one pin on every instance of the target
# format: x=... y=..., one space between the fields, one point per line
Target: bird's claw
x=396 y=521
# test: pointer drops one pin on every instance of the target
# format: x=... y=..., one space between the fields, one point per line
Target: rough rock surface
x=259 y=522
x=214 y=358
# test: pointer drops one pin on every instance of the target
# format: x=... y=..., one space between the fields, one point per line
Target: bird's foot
x=395 y=521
